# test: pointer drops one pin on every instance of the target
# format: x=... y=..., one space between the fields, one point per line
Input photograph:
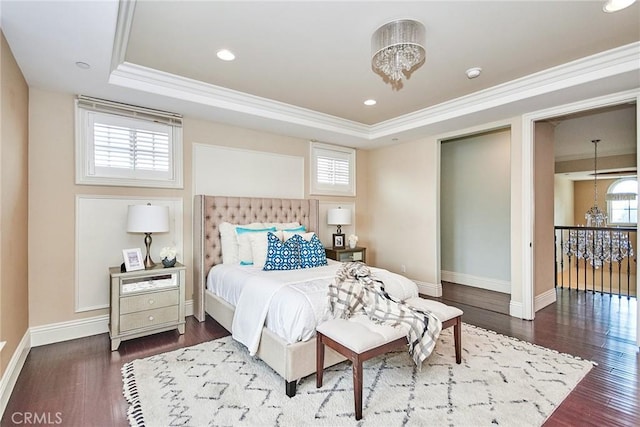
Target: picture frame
x=338 y=241
x=133 y=259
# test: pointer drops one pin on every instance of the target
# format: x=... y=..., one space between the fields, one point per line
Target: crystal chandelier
x=397 y=48
x=594 y=216
x=598 y=245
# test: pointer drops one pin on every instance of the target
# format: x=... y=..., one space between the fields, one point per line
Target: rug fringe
x=530 y=343
x=130 y=392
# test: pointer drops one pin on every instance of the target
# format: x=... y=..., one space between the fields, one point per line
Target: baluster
x=610 y=276
x=561 y=259
x=555 y=259
x=628 y=246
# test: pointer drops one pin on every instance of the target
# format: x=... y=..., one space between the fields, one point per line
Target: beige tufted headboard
x=210 y=211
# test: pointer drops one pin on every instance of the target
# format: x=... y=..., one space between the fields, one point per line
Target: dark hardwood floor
x=482 y=298
x=79 y=383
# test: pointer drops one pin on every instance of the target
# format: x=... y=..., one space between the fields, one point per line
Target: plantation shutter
x=128 y=145
x=333 y=170
x=130 y=148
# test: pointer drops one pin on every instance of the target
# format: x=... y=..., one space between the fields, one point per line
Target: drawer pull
x=151 y=302
x=151 y=318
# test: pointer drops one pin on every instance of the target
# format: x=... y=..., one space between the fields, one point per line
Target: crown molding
x=595 y=67
x=583 y=70
x=161 y=83
x=123 y=30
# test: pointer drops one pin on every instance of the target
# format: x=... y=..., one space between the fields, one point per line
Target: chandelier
x=597 y=244
x=397 y=49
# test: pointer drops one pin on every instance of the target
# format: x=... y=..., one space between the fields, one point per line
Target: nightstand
x=144 y=302
x=347 y=254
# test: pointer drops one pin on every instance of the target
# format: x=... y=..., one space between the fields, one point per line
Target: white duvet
x=290 y=303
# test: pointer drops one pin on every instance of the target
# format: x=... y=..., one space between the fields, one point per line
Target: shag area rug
x=501 y=381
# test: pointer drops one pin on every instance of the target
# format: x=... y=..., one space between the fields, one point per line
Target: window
x=118 y=144
x=622 y=202
x=333 y=170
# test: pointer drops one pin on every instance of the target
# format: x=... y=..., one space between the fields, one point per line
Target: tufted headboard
x=210 y=211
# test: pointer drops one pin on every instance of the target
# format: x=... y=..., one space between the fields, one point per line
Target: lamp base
x=148 y=262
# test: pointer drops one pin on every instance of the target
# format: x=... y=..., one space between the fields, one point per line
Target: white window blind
x=126 y=145
x=332 y=170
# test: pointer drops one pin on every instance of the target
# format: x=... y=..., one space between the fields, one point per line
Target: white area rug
x=501 y=381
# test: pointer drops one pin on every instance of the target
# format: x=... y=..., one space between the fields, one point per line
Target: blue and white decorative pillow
x=282 y=255
x=312 y=253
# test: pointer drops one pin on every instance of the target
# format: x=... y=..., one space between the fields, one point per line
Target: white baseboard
x=539 y=302
x=188 y=307
x=515 y=309
x=429 y=289
x=477 y=281
x=544 y=299
x=12 y=372
x=64 y=331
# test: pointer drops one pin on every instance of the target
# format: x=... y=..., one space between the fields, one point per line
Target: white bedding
x=290 y=303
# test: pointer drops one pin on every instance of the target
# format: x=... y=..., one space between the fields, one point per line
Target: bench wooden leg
x=457 y=336
x=357 y=385
x=319 y=359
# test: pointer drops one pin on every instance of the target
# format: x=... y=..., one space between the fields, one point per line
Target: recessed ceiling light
x=226 y=55
x=615 y=5
x=370 y=102
x=474 y=72
x=83 y=65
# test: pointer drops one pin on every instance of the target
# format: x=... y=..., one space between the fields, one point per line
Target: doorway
x=529 y=171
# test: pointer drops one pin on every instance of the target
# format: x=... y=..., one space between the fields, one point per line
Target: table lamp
x=148 y=219
x=339 y=217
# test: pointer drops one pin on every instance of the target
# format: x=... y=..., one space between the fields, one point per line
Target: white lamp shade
x=339 y=216
x=148 y=219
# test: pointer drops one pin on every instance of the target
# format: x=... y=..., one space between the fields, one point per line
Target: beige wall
x=609 y=162
x=583 y=198
x=14 y=309
x=402 y=211
x=53 y=191
x=563 y=201
x=544 y=204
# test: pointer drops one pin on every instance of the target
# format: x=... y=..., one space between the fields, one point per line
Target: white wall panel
x=101 y=235
x=224 y=171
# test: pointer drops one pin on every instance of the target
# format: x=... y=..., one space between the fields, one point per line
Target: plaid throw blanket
x=355 y=290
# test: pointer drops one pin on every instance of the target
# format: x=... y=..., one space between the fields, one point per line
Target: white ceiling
x=303 y=68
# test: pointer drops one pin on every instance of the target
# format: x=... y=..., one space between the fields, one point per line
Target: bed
x=290 y=358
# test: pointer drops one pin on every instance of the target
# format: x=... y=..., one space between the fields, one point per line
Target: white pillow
x=282 y=225
x=306 y=236
x=260 y=245
x=229 y=241
x=245 y=254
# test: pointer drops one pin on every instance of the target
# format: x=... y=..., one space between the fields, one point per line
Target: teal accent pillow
x=312 y=253
x=242 y=230
x=245 y=256
x=282 y=255
x=300 y=229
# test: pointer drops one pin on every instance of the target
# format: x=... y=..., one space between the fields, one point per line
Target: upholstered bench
x=359 y=339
